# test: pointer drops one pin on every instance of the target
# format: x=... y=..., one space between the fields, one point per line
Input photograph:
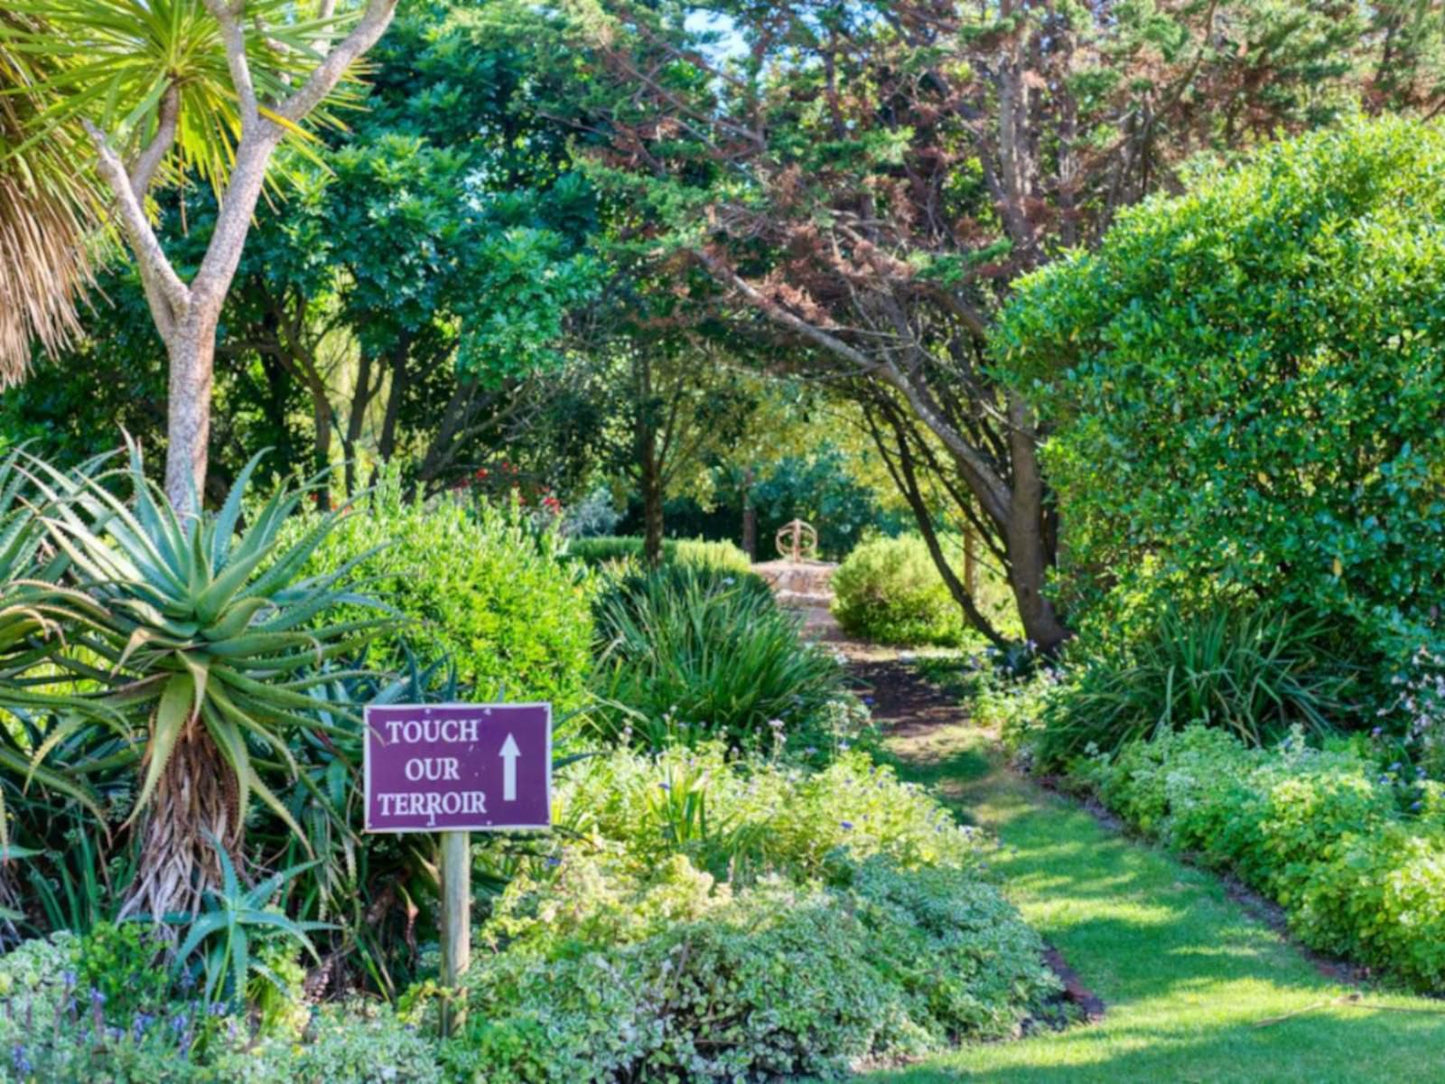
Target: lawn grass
x=1190 y=981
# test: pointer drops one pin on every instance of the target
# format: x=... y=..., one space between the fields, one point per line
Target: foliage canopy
x=1248 y=383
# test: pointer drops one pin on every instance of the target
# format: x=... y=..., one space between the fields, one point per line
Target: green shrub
x=1244 y=385
x=693 y=553
x=686 y=655
x=1322 y=832
x=478 y=586
x=889 y=591
x=1254 y=674
x=774 y=982
x=740 y=821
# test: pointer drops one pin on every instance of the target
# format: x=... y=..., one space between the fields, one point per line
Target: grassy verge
x=1194 y=987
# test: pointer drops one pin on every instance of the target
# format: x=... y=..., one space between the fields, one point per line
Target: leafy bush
x=738 y=821
x=1245 y=384
x=684 y=655
x=1321 y=831
x=889 y=591
x=697 y=554
x=777 y=982
x=1254 y=674
x=478 y=586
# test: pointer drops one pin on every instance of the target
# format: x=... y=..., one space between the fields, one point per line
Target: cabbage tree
x=147 y=91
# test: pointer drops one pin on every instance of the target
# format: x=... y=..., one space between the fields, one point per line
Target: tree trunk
x=191 y=351
x=651 y=510
x=1024 y=534
x=194 y=810
x=750 y=518
x=970 y=561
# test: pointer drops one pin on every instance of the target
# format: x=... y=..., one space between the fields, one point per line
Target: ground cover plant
x=1354 y=852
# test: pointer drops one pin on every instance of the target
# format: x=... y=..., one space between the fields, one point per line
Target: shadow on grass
x=1194 y=988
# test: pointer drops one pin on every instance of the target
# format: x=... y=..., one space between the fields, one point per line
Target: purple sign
x=458 y=767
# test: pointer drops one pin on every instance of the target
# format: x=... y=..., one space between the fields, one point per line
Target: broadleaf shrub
x=888 y=590
x=686 y=656
x=478 y=585
x=709 y=919
x=1322 y=832
x=693 y=553
x=1244 y=387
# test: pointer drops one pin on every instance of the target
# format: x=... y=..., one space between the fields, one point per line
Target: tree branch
x=324 y=79
x=167 y=294
x=143 y=169
x=233 y=37
x=993 y=492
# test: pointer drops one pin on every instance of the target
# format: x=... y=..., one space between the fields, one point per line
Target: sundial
x=797 y=541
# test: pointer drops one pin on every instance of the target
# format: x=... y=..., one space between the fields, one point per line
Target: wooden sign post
x=455 y=769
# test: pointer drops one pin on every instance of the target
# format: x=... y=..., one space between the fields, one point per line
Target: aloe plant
x=237 y=916
x=37 y=614
x=209 y=642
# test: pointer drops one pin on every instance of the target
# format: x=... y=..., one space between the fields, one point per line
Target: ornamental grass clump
x=686 y=656
x=1253 y=674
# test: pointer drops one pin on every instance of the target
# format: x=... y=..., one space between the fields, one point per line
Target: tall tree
x=865 y=180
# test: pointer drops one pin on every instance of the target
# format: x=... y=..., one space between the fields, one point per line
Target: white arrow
x=509 y=755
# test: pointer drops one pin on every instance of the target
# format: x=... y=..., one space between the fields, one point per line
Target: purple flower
x=1377 y=732
x=1395 y=767
x=97 y=999
x=848 y=825
x=1416 y=806
x=664 y=786
x=553 y=860
x=20 y=1061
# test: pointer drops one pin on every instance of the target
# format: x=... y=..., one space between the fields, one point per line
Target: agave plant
x=206 y=637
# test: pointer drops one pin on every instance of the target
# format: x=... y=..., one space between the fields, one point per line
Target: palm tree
x=48 y=204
